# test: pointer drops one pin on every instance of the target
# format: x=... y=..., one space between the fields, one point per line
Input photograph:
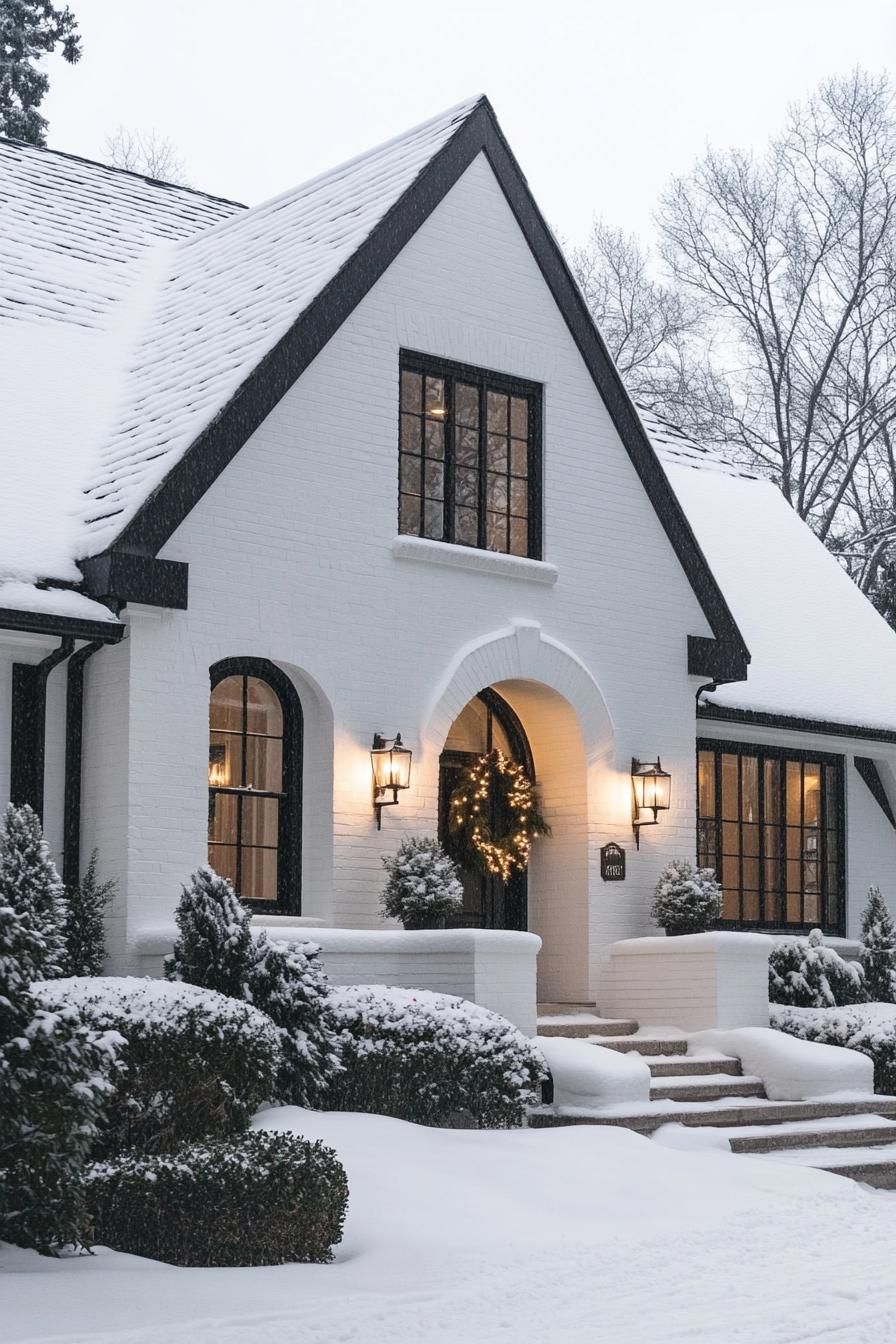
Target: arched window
x=255 y=782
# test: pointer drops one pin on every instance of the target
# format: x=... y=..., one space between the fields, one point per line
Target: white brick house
x=202 y=447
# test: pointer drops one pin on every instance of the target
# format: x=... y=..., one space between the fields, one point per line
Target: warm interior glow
x=218 y=773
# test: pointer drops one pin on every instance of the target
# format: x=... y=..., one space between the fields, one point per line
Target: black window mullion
x=448 y=481
x=760 y=805
x=822 y=853
x=719 y=822
x=534 y=468
x=483 y=463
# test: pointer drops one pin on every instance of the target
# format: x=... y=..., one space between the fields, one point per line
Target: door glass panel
x=226 y=705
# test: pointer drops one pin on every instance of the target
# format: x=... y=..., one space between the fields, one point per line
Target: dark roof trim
x=41 y=623
x=122 y=577
x=871 y=775
x=188 y=480
x=794 y=724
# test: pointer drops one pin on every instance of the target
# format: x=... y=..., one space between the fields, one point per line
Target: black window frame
x=486 y=380
x=289 y=831
x=835 y=927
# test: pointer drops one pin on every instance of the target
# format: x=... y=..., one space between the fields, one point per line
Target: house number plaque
x=612 y=863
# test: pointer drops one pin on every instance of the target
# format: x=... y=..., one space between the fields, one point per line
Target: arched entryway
x=487 y=723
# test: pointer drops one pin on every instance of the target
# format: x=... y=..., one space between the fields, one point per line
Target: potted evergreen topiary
x=423 y=887
x=686 y=899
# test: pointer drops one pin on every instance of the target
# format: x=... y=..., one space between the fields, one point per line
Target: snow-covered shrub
x=287 y=982
x=869 y=1027
x=196 y=1062
x=56 y=1078
x=686 y=899
x=83 y=931
x=214 y=947
x=803 y=973
x=423 y=886
x=30 y=884
x=259 y=1199
x=878 y=955
x=426 y=1057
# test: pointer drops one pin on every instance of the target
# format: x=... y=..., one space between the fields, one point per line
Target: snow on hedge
x=869 y=1028
x=792 y=1070
x=160 y=1004
x=587 y=1077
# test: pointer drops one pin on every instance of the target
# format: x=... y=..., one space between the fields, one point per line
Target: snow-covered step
x=691 y=1066
x=842 y=1131
x=584 y=1025
x=728 y=1112
x=644 y=1045
x=873 y=1166
x=710 y=1087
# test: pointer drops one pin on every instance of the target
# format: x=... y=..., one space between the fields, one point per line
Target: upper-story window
x=470 y=457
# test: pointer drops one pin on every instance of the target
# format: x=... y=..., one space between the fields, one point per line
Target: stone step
x=711 y=1087
x=550 y=1009
x=838 y=1132
x=872 y=1166
x=645 y=1045
x=584 y=1025
x=683 y=1066
x=740 y=1112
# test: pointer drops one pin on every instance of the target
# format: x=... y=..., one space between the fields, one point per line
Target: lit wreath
x=495 y=786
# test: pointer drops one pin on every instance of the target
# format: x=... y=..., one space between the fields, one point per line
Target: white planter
x=491 y=967
x=695 y=982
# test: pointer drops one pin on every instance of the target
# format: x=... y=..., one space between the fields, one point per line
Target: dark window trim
x=783 y=753
x=794 y=724
x=413 y=361
x=203 y=462
x=289 y=839
x=867 y=768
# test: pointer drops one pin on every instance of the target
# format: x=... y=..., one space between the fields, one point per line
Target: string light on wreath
x=494 y=787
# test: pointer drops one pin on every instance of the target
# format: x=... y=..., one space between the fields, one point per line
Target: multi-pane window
x=251 y=785
x=771 y=824
x=469 y=457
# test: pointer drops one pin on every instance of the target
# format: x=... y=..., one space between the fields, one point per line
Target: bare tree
x=653 y=330
x=793 y=254
x=148 y=153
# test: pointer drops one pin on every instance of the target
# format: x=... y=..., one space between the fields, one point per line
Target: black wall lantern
x=651 y=794
x=391 y=771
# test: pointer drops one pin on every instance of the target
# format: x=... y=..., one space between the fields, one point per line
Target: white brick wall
x=290 y=558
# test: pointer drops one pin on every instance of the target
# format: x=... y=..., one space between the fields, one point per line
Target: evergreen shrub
x=285 y=980
x=56 y=1079
x=686 y=899
x=196 y=1062
x=83 y=930
x=870 y=1028
x=431 y=1058
x=803 y=973
x=423 y=886
x=878 y=954
x=259 y=1199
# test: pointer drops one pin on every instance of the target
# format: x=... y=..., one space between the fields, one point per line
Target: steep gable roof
x=219 y=321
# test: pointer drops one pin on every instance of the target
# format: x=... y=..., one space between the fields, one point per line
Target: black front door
x=487 y=723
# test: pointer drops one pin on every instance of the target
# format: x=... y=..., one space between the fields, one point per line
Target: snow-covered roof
x=130 y=314
x=819 y=648
x=74 y=238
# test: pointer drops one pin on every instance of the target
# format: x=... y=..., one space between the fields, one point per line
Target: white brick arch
x=520 y=652
x=570 y=732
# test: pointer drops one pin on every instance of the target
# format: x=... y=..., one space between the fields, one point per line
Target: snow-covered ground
x=584 y=1235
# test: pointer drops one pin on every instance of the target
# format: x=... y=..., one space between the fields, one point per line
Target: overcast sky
x=600 y=101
